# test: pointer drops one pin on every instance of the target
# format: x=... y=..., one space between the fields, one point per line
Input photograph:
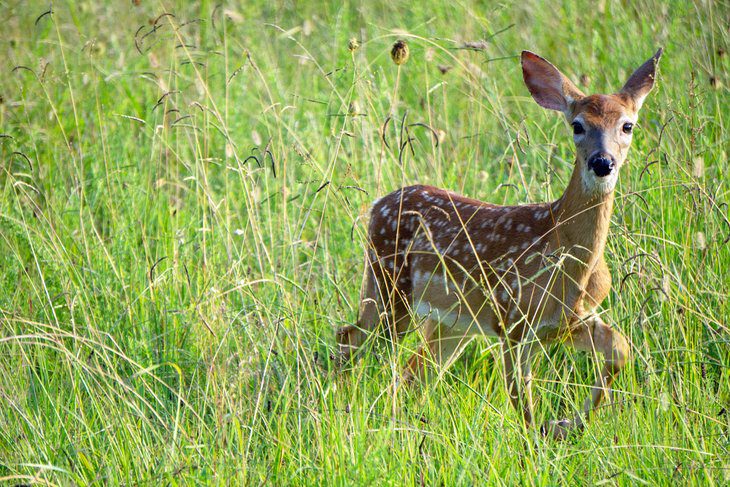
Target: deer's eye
x=627 y=128
x=577 y=128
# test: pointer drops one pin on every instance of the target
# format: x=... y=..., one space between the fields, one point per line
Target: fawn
x=529 y=274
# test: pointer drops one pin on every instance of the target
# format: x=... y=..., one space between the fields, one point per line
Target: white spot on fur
x=417 y=275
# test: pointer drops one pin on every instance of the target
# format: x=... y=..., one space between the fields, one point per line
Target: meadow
x=183 y=205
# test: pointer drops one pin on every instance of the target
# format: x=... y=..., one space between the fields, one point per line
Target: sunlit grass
x=182 y=218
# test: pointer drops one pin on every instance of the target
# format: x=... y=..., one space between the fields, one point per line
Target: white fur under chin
x=592 y=184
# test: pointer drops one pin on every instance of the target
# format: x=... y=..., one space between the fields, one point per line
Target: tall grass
x=184 y=192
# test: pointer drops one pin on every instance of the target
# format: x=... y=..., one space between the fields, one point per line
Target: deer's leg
x=442 y=347
x=381 y=301
x=594 y=336
x=351 y=337
x=518 y=375
x=597 y=337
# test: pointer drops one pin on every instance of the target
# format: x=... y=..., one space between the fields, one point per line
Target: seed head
x=664 y=402
x=698 y=167
x=700 y=241
x=353 y=44
x=666 y=289
x=399 y=53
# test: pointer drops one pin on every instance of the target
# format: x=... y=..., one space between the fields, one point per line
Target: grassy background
x=182 y=219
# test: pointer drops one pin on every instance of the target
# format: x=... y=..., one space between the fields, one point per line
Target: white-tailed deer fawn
x=529 y=274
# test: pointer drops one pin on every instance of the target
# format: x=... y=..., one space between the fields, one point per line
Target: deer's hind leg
x=351 y=337
x=518 y=374
x=442 y=347
x=384 y=309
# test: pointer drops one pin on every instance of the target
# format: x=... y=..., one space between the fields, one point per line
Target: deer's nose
x=602 y=164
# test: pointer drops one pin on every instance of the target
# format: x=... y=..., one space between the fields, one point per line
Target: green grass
x=182 y=219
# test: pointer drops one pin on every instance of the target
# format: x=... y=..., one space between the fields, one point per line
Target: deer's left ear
x=642 y=81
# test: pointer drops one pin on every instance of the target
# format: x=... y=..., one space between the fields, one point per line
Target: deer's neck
x=583 y=219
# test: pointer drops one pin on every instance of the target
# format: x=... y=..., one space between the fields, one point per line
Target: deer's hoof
x=559 y=429
x=344 y=331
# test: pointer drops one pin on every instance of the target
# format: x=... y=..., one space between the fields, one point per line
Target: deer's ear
x=548 y=86
x=642 y=81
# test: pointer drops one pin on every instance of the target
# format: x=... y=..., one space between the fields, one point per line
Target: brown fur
x=602 y=110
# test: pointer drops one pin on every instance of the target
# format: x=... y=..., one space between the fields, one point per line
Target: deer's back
x=464 y=259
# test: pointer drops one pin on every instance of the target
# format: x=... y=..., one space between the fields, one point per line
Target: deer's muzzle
x=601 y=164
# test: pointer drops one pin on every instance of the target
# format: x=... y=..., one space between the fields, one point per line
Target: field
x=183 y=205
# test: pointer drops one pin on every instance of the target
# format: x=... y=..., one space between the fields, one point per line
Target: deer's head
x=602 y=124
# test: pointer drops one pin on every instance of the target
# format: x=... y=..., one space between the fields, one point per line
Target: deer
x=455 y=268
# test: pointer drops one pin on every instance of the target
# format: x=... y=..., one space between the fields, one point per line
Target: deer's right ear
x=548 y=86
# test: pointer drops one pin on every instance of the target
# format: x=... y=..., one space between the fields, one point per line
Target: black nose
x=601 y=164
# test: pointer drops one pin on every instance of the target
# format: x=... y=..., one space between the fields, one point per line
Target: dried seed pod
x=354 y=108
x=399 y=54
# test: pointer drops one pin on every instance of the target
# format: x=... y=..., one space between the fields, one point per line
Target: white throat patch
x=592 y=184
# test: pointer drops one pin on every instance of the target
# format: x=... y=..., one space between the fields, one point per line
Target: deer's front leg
x=594 y=336
x=517 y=369
x=597 y=337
